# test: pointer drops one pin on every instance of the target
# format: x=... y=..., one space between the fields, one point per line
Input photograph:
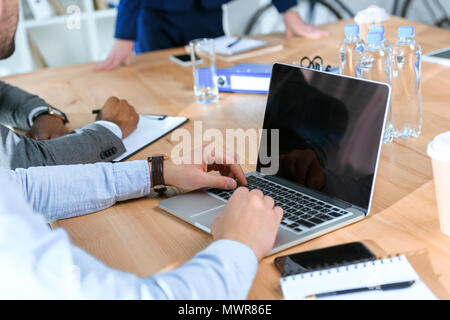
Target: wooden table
x=138 y=237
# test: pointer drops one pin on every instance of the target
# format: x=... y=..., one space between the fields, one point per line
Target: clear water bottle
x=350 y=50
x=376 y=65
x=406 y=84
x=380 y=28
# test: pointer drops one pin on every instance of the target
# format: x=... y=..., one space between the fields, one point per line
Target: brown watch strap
x=158 y=173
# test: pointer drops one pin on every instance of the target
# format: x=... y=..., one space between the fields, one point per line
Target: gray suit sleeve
x=16 y=104
x=90 y=144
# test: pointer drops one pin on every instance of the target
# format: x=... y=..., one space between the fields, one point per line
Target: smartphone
x=184 y=59
x=322 y=258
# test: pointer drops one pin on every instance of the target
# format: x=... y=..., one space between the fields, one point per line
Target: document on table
x=238 y=45
x=150 y=128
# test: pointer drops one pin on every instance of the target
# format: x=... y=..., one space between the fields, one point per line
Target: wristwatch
x=52 y=112
x=157 y=174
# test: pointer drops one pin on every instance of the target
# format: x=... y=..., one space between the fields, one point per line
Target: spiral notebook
x=363 y=274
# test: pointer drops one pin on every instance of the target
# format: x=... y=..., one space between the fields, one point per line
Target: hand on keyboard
x=249 y=218
x=301 y=211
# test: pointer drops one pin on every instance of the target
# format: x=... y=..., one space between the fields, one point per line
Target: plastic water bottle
x=380 y=28
x=350 y=50
x=406 y=85
x=376 y=65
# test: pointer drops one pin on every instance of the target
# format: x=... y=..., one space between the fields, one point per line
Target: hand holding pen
x=119 y=112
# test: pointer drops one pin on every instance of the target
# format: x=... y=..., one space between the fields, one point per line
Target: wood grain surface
x=138 y=237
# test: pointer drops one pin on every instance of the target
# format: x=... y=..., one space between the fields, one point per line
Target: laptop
x=323 y=166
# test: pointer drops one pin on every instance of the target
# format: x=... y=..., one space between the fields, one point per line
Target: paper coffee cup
x=371 y=16
x=439 y=152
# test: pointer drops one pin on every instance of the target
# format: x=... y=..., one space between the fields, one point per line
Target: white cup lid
x=373 y=14
x=439 y=148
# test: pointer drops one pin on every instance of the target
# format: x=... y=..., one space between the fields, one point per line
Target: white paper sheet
x=149 y=130
x=245 y=44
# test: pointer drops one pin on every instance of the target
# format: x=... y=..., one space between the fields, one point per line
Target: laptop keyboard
x=301 y=212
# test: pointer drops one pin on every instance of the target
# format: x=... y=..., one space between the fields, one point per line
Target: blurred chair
x=439 y=22
x=340 y=10
x=335 y=7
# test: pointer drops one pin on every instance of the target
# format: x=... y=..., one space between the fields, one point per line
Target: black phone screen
x=184 y=57
x=322 y=258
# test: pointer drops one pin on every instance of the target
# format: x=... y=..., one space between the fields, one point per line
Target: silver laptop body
x=346 y=117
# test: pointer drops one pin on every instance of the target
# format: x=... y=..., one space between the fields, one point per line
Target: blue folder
x=245 y=78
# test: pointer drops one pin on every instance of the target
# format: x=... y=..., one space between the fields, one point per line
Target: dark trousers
x=159 y=29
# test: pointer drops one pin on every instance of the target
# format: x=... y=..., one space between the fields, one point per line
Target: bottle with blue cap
x=380 y=28
x=375 y=65
x=406 y=84
x=350 y=50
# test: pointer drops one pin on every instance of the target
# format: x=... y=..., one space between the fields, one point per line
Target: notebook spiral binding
x=320 y=269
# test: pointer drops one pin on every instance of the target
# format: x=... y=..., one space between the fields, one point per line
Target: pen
x=150 y=116
x=383 y=287
x=155 y=116
x=234 y=43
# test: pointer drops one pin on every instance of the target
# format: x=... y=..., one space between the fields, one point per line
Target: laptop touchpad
x=191 y=204
x=206 y=219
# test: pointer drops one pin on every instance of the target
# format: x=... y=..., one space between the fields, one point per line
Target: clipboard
x=150 y=128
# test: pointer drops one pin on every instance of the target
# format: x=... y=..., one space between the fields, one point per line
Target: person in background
x=98 y=141
x=38 y=263
x=148 y=25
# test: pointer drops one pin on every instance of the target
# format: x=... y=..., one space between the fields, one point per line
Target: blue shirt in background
x=162 y=24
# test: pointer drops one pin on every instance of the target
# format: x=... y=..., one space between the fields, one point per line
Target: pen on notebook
x=234 y=43
x=382 y=287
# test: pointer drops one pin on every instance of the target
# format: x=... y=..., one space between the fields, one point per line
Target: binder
x=245 y=78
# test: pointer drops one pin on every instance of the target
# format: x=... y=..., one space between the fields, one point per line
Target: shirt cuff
x=241 y=251
x=111 y=126
x=284 y=6
x=240 y=256
x=224 y=270
x=132 y=179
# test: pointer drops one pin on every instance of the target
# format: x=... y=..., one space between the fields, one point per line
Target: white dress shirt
x=38 y=263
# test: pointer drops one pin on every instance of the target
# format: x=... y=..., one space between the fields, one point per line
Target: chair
x=312 y=6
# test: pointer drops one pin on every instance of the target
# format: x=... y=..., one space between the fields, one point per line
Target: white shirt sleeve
x=38 y=263
x=111 y=126
x=91 y=187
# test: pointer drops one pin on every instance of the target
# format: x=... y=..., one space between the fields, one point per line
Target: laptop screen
x=329 y=131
